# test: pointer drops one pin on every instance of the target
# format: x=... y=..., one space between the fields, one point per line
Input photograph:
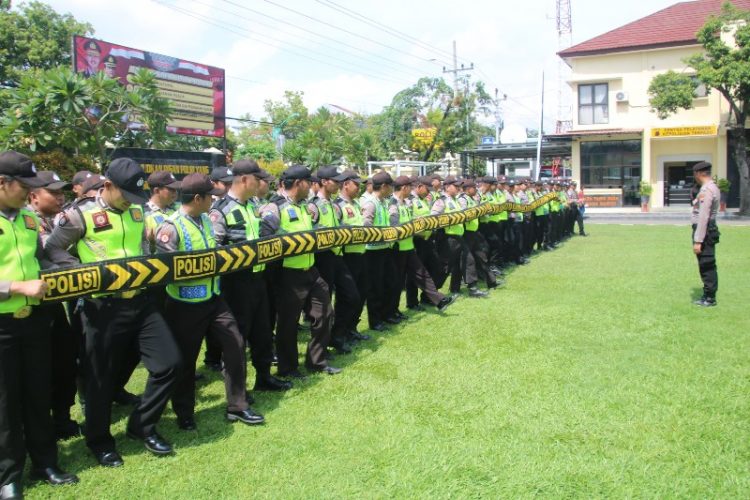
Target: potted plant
x=645 y=190
x=723 y=185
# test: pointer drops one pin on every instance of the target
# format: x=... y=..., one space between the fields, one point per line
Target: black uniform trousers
x=190 y=322
x=492 y=233
x=111 y=327
x=479 y=250
x=579 y=219
x=409 y=268
x=542 y=227
x=379 y=270
x=246 y=294
x=66 y=343
x=428 y=256
x=528 y=234
x=335 y=273
x=356 y=263
x=295 y=287
x=514 y=234
x=25 y=374
x=707 y=261
x=457 y=262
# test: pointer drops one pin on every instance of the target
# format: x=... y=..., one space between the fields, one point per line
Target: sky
x=358 y=54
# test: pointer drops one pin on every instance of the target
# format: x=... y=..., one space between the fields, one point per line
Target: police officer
x=194 y=307
x=107 y=227
x=379 y=259
x=235 y=220
x=25 y=346
x=455 y=255
x=299 y=281
x=424 y=243
x=222 y=179
x=77 y=182
x=541 y=218
x=330 y=263
x=706 y=232
x=489 y=225
x=163 y=199
x=476 y=244
x=408 y=265
x=350 y=214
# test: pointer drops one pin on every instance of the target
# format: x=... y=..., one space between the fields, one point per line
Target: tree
x=722 y=67
x=35 y=37
x=59 y=109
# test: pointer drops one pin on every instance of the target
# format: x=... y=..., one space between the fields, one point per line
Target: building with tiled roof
x=617 y=140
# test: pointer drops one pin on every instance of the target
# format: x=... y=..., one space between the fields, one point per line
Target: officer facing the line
x=705 y=232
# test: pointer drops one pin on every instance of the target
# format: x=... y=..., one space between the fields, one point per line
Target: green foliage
x=64 y=164
x=257 y=149
x=645 y=189
x=642 y=401
x=724 y=185
x=35 y=37
x=670 y=92
x=59 y=109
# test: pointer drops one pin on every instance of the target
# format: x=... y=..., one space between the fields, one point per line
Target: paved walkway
x=662 y=216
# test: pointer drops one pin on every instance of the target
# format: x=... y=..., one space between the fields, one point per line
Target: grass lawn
x=590 y=374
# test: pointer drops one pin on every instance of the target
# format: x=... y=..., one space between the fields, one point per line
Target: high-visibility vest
x=351 y=215
x=451 y=205
x=193 y=237
x=18 y=247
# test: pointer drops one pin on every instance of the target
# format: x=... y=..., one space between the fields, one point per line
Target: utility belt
x=20 y=313
x=712 y=233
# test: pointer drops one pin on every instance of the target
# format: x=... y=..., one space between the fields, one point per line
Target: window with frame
x=593 y=104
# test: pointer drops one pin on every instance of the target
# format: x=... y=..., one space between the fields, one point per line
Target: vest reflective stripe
x=327 y=218
x=194 y=238
x=18 y=246
x=421 y=208
x=451 y=205
x=110 y=234
x=404 y=216
x=351 y=215
x=519 y=215
x=380 y=220
x=473 y=224
x=500 y=198
x=154 y=218
x=295 y=218
x=243 y=216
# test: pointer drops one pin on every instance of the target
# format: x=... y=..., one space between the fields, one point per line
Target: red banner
x=195 y=91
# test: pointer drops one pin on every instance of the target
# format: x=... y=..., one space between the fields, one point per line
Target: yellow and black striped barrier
x=122 y=275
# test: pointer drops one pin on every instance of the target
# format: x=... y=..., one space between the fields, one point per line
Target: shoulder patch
x=214 y=215
x=29 y=222
x=101 y=220
x=164 y=237
x=137 y=214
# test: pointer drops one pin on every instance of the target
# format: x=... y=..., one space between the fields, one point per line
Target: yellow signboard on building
x=684 y=131
x=423 y=136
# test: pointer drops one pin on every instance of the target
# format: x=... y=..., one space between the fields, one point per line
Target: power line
x=398 y=34
x=325 y=37
x=226 y=27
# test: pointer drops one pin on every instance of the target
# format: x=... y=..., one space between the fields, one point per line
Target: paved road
x=652 y=219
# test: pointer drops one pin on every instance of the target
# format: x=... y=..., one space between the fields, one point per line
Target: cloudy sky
x=358 y=54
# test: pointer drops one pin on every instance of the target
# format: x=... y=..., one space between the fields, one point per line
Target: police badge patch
x=136 y=214
x=101 y=221
x=29 y=222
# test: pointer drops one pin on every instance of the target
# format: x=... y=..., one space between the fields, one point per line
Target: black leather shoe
x=187 y=424
x=358 y=336
x=53 y=476
x=445 y=302
x=416 y=308
x=248 y=417
x=154 y=443
x=477 y=293
x=11 y=490
x=380 y=327
x=330 y=370
x=393 y=320
x=125 y=398
x=271 y=383
x=292 y=374
x=401 y=316
x=341 y=347
x=109 y=458
x=705 y=302
x=66 y=429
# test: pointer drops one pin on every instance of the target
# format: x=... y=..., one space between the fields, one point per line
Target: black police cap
x=21 y=168
x=296 y=172
x=703 y=166
x=129 y=177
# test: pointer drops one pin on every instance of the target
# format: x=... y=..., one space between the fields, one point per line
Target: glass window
x=593 y=104
x=612 y=164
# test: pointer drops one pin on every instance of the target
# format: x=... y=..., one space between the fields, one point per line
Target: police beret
x=296 y=172
x=401 y=181
x=703 y=166
x=381 y=178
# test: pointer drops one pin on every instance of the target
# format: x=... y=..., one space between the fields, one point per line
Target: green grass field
x=589 y=375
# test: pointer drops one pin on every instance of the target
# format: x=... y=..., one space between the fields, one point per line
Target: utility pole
x=564 y=20
x=456 y=70
x=539 y=137
x=498 y=116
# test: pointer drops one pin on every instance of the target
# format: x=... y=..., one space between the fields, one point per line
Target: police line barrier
x=133 y=273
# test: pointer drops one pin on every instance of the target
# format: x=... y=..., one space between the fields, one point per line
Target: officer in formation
x=113 y=218
x=706 y=232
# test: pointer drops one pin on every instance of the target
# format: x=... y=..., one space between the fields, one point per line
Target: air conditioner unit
x=622 y=97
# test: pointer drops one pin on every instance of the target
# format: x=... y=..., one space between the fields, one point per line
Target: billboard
x=195 y=91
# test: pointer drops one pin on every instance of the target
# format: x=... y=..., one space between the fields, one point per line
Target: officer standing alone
x=705 y=232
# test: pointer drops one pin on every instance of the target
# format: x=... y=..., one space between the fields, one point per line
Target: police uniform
x=236 y=221
x=489 y=225
x=350 y=214
x=156 y=214
x=195 y=306
x=475 y=243
x=115 y=321
x=332 y=267
x=424 y=245
x=706 y=233
x=299 y=282
x=25 y=346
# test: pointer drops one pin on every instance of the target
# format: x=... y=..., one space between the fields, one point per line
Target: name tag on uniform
x=137 y=215
x=239 y=217
x=193 y=292
x=349 y=212
x=292 y=213
x=101 y=221
x=29 y=222
x=324 y=209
